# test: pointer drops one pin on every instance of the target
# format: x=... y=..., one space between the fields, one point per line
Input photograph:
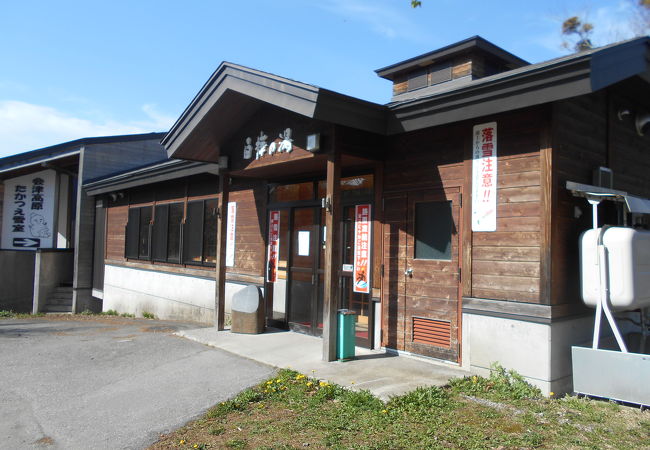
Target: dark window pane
x=193 y=233
x=132 y=231
x=417 y=79
x=174 y=232
x=210 y=232
x=440 y=73
x=159 y=239
x=433 y=230
x=205 y=184
x=145 y=220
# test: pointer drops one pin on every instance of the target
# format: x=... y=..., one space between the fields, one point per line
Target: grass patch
x=9 y=314
x=148 y=315
x=292 y=410
x=110 y=312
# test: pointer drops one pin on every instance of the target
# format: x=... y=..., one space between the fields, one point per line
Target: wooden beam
x=548 y=219
x=332 y=255
x=222 y=232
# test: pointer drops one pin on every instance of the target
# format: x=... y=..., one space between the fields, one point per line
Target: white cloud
x=26 y=126
x=382 y=18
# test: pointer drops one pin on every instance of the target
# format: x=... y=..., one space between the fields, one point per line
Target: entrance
x=305 y=274
x=295 y=296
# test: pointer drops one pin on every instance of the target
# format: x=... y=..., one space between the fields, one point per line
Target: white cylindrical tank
x=628 y=260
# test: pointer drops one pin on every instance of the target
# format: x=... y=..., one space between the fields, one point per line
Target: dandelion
x=384 y=411
x=182 y=441
x=300 y=376
x=474 y=379
x=551 y=393
x=278 y=380
x=310 y=384
x=351 y=382
x=323 y=384
x=196 y=446
x=269 y=382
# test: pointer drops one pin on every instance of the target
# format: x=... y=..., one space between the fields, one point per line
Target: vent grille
x=432 y=332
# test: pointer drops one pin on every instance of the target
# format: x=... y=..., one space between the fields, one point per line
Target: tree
x=579 y=32
x=574 y=27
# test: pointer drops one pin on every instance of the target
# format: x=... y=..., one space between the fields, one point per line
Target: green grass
x=148 y=315
x=9 y=314
x=502 y=410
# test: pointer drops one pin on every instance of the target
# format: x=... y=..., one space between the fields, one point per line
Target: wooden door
x=422 y=277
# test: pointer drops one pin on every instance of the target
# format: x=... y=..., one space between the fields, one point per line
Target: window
x=138 y=231
x=167 y=232
x=200 y=233
x=433 y=230
x=157 y=233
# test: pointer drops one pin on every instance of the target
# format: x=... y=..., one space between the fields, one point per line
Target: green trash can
x=346 y=337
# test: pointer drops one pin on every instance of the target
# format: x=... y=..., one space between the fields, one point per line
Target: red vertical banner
x=274 y=246
x=362 y=236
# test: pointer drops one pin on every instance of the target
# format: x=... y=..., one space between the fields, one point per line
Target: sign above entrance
x=484 y=177
x=28 y=211
x=283 y=143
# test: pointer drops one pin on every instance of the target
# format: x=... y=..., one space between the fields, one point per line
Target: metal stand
x=603 y=300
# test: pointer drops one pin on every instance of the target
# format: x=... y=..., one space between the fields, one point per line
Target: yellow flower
x=278 y=380
x=351 y=382
x=300 y=376
x=269 y=382
x=323 y=384
x=551 y=393
x=384 y=411
x=182 y=441
x=310 y=384
x=196 y=446
x=474 y=379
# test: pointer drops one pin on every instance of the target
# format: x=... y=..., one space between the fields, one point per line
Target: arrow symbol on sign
x=26 y=242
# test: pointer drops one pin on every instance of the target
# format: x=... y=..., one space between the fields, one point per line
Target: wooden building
x=48 y=259
x=453 y=192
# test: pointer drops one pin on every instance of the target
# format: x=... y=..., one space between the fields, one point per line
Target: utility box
x=346 y=336
x=247 y=311
x=628 y=267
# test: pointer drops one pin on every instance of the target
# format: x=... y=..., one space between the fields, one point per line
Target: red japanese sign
x=362 y=235
x=484 y=178
x=274 y=246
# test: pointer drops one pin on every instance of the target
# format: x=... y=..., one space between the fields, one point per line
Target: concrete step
x=58 y=308
x=59 y=301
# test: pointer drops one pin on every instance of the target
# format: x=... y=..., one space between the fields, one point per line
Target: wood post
x=332 y=255
x=222 y=232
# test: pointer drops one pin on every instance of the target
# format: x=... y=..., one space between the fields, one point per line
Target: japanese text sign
x=362 y=240
x=274 y=246
x=230 y=238
x=484 y=177
x=28 y=211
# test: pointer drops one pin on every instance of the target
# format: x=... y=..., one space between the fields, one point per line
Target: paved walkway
x=108 y=383
x=383 y=374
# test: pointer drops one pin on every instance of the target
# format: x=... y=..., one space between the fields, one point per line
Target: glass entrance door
x=355 y=301
x=305 y=271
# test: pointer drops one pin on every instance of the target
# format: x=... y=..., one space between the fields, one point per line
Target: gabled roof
x=233 y=93
x=569 y=76
x=475 y=43
x=66 y=149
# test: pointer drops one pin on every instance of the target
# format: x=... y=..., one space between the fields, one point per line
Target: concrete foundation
x=541 y=352
x=17 y=280
x=168 y=296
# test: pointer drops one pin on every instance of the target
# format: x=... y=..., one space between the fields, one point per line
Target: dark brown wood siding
x=250 y=228
x=502 y=265
x=588 y=133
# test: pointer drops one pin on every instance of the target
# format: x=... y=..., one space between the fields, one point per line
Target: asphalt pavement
x=108 y=383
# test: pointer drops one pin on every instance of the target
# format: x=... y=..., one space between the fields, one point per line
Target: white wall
x=539 y=352
x=167 y=296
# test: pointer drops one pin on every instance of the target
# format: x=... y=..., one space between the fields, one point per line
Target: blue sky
x=72 y=69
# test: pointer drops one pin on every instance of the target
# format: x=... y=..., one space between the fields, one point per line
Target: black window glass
x=193 y=233
x=433 y=230
x=210 y=232
x=132 y=232
x=145 y=221
x=174 y=232
x=159 y=239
